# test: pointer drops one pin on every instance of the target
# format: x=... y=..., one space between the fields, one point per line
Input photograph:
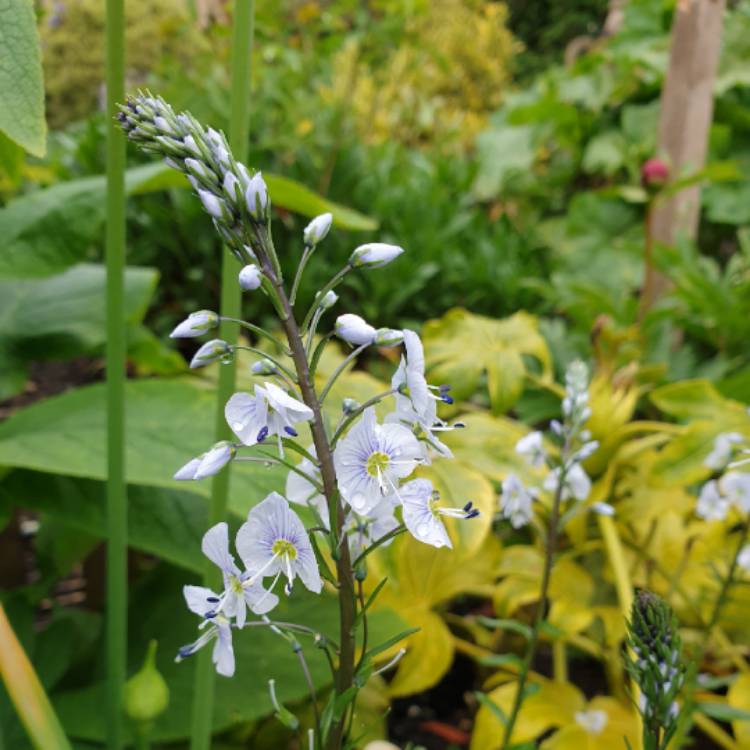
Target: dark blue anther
x=212 y=599
x=447 y=399
x=472 y=514
x=459 y=425
x=291 y=431
x=210 y=614
x=467 y=507
x=185 y=651
x=263 y=434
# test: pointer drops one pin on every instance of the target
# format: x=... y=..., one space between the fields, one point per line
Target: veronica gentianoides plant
x=354 y=479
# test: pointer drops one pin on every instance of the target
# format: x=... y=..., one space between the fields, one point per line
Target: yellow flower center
x=283 y=548
x=235 y=584
x=377 y=463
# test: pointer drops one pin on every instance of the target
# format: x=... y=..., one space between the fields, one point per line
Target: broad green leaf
x=48 y=230
x=462 y=347
x=26 y=691
x=723 y=712
x=503 y=152
x=698 y=399
x=61 y=316
x=157 y=611
x=21 y=86
x=164 y=522
x=168 y=422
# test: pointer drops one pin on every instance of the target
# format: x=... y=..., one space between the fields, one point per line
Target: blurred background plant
x=502 y=145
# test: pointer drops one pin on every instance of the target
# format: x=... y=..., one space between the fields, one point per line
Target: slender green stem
x=297 y=647
x=313 y=329
x=318 y=353
x=332 y=284
x=242 y=39
x=260 y=331
x=117 y=519
x=261 y=353
x=378 y=543
x=351 y=417
x=363 y=616
x=306 y=255
x=337 y=372
x=289 y=465
x=541 y=611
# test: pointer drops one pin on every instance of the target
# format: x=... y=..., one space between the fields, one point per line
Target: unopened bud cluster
x=231 y=195
x=657 y=666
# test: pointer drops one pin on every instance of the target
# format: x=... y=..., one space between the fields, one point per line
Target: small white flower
x=317 y=229
x=516 y=501
x=208 y=463
x=743 y=559
x=256 y=197
x=711 y=505
x=593 y=721
x=375 y=254
x=211 y=351
x=301 y=491
x=231 y=186
x=371 y=460
x=410 y=376
x=531 y=447
x=354 y=330
x=722 y=450
x=196 y=324
x=577 y=483
x=603 y=509
x=250 y=277
x=422 y=513
x=271 y=411
x=273 y=541
x=735 y=485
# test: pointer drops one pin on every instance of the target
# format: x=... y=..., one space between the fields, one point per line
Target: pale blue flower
x=271 y=411
x=250 y=277
x=372 y=459
x=422 y=511
x=531 y=447
x=375 y=254
x=516 y=501
x=354 y=330
x=273 y=541
x=218 y=628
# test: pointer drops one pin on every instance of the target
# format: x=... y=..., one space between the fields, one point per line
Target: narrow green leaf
x=385 y=645
x=488 y=703
x=723 y=712
x=512 y=625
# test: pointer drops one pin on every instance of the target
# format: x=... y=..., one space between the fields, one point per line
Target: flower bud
x=256 y=197
x=654 y=174
x=330 y=298
x=211 y=351
x=317 y=229
x=355 y=330
x=375 y=254
x=250 y=277
x=388 y=337
x=349 y=406
x=199 y=170
x=264 y=367
x=232 y=187
x=146 y=695
x=214 y=460
x=196 y=324
x=214 y=206
x=192 y=146
x=163 y=125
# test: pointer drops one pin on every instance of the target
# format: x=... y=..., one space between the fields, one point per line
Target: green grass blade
x=117 y=521
x=242 y=43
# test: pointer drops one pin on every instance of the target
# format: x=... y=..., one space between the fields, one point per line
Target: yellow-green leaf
x=26 y=692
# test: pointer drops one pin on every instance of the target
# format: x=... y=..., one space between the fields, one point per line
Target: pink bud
x=654 y=173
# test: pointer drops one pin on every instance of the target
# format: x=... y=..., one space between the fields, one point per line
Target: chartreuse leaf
x=26 y=691
x=461 y=348
x=553 y=705
x=168 y=420
x=48 y=230
x=21 y=86
x=738 y=697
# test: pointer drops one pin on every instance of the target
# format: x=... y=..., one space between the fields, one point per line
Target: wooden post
x=685 y=119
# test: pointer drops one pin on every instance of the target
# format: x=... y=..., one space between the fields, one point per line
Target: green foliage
x=21 y=92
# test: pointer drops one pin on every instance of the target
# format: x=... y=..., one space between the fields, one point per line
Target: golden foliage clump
x=439 y=84
x=72 y=38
